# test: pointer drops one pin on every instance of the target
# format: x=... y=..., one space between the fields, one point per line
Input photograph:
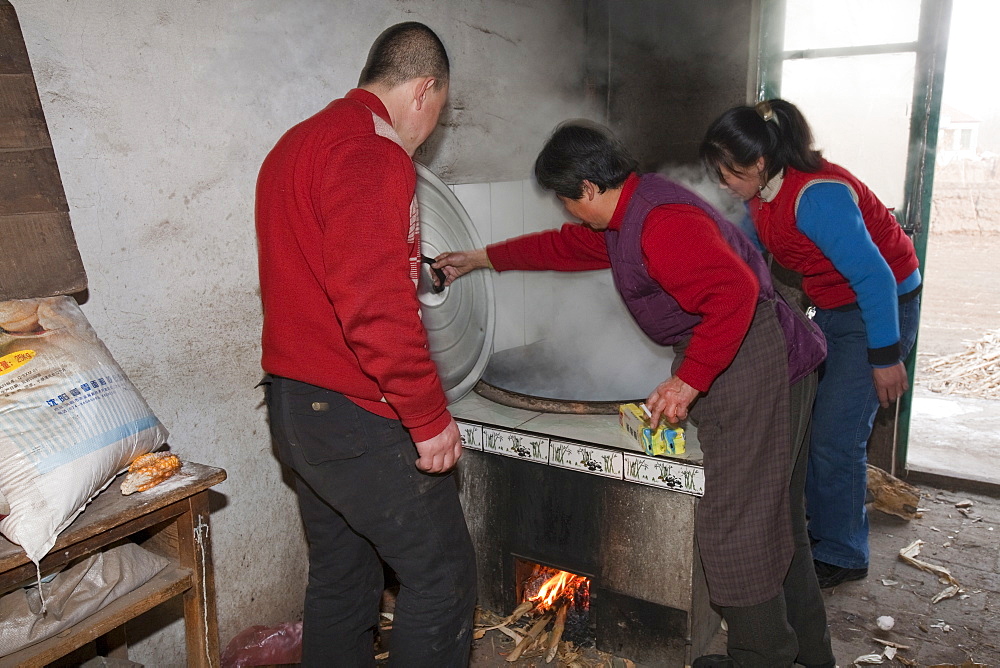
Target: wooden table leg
x=113 y=644
x=201 y=625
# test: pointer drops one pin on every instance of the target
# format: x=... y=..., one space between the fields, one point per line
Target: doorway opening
x=955 y=411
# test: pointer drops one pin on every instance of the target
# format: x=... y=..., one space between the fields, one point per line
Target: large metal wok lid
x=459 y=319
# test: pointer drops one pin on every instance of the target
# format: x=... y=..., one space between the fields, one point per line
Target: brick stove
x=573 y=492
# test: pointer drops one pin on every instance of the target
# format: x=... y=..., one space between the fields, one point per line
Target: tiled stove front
x=574 y=493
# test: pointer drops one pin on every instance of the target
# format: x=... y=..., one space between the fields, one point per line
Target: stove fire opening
x=557 y=603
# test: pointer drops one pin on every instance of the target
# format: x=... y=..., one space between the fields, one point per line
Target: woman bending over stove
x=743 y=369
x=860 y=271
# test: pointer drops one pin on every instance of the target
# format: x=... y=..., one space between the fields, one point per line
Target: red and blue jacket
x=852 y=253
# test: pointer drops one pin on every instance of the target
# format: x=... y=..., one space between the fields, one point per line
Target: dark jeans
x=846 y=404
x=362 y=498
x=790 y=628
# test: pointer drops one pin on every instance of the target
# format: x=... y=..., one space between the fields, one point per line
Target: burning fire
x=560 y=585
x=559 y=597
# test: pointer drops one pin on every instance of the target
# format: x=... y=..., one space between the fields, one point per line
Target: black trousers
x=790 y=628
x=362 y=499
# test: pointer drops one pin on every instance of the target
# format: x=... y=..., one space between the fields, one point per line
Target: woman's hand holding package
x=459 y=263
x=671 y=399
x=890 y=383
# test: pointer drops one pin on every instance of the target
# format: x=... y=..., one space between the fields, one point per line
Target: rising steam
x=590 y=348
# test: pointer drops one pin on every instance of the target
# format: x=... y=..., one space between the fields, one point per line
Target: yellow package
x=667 y=439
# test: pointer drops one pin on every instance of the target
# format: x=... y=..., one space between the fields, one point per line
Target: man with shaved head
x=356 y=407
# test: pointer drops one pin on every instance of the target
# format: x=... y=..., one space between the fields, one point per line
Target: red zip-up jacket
x=339 y=250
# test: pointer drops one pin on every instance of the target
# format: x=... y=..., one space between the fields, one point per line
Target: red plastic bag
x=265 y=646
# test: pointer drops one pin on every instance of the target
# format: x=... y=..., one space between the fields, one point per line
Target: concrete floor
x=950 y=632
x=966 y=627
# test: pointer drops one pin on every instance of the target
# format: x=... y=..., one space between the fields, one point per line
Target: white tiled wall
x=507 y=209
x=475 y=197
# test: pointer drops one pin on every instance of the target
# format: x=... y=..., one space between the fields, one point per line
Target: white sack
x=70 y=420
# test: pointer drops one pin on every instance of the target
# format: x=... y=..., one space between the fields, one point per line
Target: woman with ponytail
x=861 y=273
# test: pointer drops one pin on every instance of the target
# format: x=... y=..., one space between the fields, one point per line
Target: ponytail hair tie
x=764 y=110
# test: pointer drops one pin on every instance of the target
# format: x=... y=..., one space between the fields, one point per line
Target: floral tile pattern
x=472 y=435
x=665 y=473
x=586 y=458
x=513 y=444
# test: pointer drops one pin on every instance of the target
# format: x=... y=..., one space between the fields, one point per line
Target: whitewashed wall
x=160 y=113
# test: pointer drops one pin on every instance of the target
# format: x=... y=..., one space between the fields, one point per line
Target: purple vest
x=659 y=315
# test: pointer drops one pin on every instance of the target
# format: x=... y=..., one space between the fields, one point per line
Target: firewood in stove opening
x=533 y=633
x=557 y=631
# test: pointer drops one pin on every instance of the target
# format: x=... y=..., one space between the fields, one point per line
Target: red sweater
x=338 y=251
x=684 y=252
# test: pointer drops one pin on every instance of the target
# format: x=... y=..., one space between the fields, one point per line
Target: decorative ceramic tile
x=665 y=473
x=586 y=458
x=472 y=435
x=511 y=444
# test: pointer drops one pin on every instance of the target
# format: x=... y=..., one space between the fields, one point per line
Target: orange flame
x=560 y=584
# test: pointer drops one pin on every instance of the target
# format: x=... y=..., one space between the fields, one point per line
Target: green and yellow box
x=667 y=439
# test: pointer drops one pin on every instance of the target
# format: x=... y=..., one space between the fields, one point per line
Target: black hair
x=405 y=51
x=579 y=151
x=775 y=130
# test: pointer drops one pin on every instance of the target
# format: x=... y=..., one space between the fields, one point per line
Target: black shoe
x=831 y=576
x=714 y=661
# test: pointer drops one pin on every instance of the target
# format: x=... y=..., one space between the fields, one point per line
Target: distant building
x=958 y=135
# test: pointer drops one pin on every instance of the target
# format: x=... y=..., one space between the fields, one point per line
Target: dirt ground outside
x=961 y=297
x=952 y=434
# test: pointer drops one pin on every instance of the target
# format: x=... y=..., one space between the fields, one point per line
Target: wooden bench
x=170 y=519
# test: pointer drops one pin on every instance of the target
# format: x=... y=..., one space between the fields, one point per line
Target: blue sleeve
x=829 y=216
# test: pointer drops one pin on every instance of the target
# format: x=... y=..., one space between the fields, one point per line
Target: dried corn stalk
x=909 y=555
x=974 y=372
x=150 y=470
